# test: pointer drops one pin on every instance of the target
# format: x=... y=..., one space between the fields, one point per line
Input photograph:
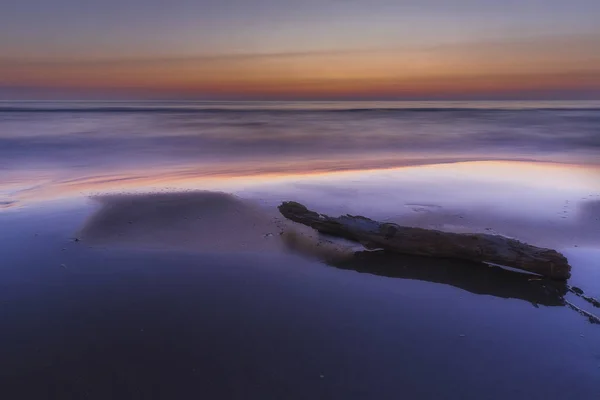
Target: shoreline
x=185 y=179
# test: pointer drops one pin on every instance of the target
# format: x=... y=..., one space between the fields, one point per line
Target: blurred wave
x=43 y=142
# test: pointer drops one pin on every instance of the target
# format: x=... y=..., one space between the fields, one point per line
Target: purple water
x=226 y=318
x=63 y=141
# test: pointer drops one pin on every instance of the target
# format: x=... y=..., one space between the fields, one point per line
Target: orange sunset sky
x=267 y=49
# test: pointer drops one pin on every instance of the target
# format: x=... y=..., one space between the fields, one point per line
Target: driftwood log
x=482 y=248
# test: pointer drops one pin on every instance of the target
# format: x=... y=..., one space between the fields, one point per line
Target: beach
x=143 y=255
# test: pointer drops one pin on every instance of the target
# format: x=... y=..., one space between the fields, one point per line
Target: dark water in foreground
x=129 y=324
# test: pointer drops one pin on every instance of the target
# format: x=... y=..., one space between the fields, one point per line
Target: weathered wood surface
x=482 y=248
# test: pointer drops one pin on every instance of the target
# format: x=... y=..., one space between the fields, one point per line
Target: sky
x=290 y=49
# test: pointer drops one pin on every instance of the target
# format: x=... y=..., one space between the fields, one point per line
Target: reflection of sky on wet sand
x=483 y=176
x=548 y=204
x=542 y=202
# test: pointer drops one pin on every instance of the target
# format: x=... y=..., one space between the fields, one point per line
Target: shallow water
x=176 y=294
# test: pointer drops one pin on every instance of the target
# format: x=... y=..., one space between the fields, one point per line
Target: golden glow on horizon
x=476 y=68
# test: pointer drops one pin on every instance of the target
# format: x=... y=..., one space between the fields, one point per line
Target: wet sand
x=182 y=295
x=196 y=221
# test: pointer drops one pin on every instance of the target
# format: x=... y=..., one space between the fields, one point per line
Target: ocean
x=44 y=145
x=142 y=255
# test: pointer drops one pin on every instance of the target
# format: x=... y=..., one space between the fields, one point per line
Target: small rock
x=462 y=335
x=321 y=376
x=268 y=235
x=63 y=266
